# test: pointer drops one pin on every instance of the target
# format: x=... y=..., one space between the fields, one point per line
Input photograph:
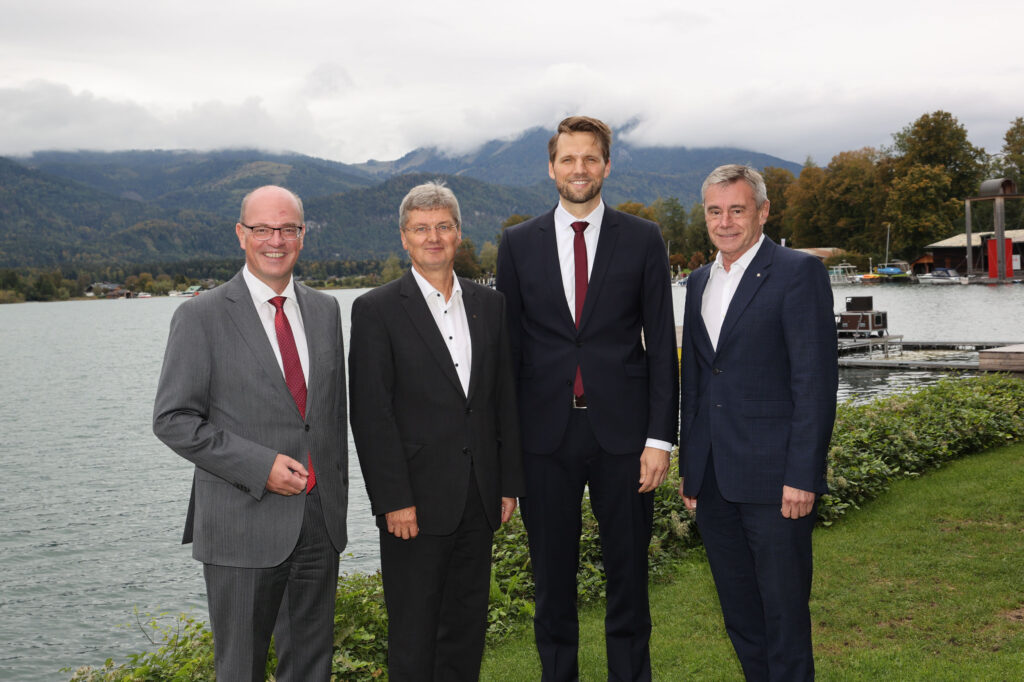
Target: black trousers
x=436 y=589
x=762 y=565
x=551 y=512
x=294 y=601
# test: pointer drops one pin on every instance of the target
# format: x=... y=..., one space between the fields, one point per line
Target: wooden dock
x=993 y=356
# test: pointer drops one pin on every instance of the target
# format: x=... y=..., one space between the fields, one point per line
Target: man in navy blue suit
x=589 y=302
x=758 y=403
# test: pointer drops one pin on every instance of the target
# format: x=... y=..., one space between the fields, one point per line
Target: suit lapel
x=602 y=258
x=477 y=334
x=755 y=275
x=695 y=287
x=245 y=318
x=416 y=308
x=553 y=269
x=312 y=325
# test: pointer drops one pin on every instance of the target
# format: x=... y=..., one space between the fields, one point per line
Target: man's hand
x=796 y=503
x=287 y=476
x=402 y=523
x=508 y=505
x=653 y=468
x=688 y=502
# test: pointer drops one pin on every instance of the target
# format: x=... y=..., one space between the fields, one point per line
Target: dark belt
x=579 y=402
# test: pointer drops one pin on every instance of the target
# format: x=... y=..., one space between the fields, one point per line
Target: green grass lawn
x=925 y=583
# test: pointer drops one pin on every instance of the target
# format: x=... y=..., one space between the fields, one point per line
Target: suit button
x=307 y=427
x=469 y=410
x=465 y=451
x=579 y=344
x=716 y=371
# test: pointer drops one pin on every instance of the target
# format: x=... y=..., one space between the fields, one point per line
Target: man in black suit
x=436 y=431
x=593 y=344
x=759 y=400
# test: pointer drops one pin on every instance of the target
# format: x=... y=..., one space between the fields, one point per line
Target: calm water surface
x=93 y=505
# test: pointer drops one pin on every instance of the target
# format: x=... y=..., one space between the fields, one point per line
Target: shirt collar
x=426 y=288
x=564 y=219
x=743 y=262
x=261 y=292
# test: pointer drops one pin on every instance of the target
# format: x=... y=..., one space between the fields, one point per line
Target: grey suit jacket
x=222 y=403
x=418 y=435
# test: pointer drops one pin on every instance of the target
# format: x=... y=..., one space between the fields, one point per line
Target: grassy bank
x=925 y=583
x=874 y=447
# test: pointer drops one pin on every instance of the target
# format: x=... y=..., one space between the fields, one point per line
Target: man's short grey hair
x=735 y=172
x=427 y=197
x=245 y=203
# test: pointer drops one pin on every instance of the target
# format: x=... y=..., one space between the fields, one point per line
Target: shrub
x=872 y=445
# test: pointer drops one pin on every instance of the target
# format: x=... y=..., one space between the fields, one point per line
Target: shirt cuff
x=660 y=444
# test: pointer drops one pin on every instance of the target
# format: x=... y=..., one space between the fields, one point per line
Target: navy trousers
x=761 y=563
x=551 y=511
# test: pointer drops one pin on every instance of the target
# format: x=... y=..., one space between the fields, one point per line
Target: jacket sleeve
x=181 y=412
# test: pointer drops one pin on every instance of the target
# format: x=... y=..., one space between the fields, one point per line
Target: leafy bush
x=872 y=445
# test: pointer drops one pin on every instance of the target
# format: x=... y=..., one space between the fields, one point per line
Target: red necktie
x=579 y=249
x=292 y=368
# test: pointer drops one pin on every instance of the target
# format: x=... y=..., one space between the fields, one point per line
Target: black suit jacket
x=416 y=431
x=631 y=383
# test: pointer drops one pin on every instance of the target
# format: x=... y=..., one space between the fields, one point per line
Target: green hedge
x=873 y=444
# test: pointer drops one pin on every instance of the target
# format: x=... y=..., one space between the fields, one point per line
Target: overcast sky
x=351 y=81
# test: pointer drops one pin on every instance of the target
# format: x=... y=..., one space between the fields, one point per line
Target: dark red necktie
x=579 y=249
x=292 y=368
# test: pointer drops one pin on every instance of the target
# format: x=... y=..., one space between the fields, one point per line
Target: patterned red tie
x=579 y=249
x=292 y=368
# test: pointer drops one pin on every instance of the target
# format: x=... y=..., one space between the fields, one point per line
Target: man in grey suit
x=252 y=392
x=436 y=429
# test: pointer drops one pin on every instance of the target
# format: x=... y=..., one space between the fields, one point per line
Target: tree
x=854 y=197
x=920 y=210
x=635 y=208
x=777 y=180
x=805 y=219
x=671 y=217
x=1012 y=165
x=696 y=242
x=489 y=257
x=466 y=263
x=938 y=139
x=391 y=269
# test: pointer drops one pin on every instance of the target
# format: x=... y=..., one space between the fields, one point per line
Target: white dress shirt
x=720 y=289
x=453 y=324
x=564 y=236
x=261 y=295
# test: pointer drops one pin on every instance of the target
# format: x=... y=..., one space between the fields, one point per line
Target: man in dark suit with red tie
x=589 y=303
x=759 y=400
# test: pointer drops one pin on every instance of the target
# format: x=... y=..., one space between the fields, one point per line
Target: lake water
x=93 y=505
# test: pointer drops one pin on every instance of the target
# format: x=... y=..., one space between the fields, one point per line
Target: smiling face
x=734 y=221
x=431 y=252
x=271 y=261
x=579 y=169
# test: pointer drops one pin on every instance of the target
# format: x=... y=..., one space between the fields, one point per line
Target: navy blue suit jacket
x=632 y=388
x=764 y=403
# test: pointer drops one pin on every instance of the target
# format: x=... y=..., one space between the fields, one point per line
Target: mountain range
x=85 y=207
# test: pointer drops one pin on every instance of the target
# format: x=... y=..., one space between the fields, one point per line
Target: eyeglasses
x=262 y=233
x=424 y=230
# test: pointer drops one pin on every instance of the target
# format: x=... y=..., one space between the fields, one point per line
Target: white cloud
x=351 y=83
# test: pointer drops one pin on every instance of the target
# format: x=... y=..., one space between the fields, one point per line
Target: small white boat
x=942 y=276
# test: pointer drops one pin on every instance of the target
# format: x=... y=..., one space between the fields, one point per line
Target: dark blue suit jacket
x=764 y=403
x=632 y=391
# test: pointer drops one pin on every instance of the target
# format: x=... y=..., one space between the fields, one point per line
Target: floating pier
x=993 y=356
